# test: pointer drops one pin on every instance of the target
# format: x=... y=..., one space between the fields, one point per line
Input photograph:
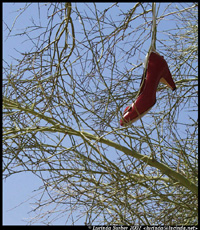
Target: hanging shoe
x=157 y=71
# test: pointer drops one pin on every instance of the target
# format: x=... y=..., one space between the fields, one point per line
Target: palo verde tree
x=63 y=98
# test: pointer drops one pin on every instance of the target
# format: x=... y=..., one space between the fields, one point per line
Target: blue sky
x=18 y=189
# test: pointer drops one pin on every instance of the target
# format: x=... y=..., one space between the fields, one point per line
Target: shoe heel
x=167 y=79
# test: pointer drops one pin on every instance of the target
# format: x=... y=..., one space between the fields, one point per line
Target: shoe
x=157 y=71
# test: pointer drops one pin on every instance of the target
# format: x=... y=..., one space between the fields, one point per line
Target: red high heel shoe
x=157 y=71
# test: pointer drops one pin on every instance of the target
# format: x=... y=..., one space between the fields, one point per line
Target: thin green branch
x=65 y=129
